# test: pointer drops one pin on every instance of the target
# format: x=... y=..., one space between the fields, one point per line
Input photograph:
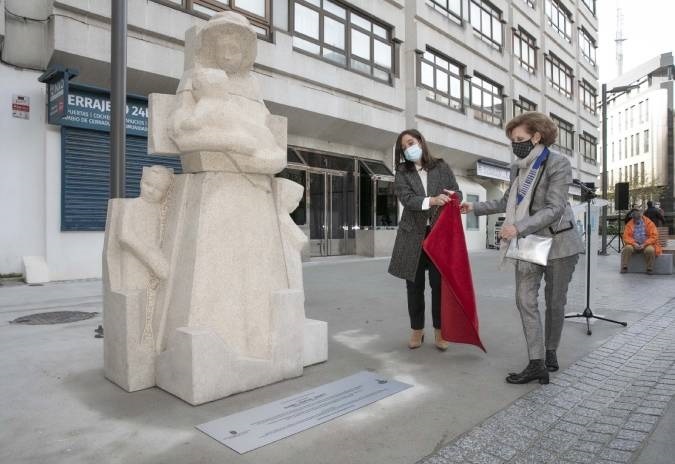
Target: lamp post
x=118 y=97
x=618 y=89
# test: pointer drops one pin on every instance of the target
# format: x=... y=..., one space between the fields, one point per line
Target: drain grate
x=56 y=317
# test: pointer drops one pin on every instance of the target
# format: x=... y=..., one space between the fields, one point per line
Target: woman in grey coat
x=536 y=202
x=423 y=184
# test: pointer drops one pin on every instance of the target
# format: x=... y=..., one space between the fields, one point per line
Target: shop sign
x=492 y=171
x=21 y=106
x=90 y=108
x=57 y=93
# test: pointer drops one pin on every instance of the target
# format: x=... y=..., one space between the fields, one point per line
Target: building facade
x=640 y=133
x=348 y=75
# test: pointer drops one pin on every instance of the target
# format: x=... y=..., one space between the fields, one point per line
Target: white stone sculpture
x=214 y=304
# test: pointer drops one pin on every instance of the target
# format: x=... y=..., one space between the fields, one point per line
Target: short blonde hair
x=535 y=122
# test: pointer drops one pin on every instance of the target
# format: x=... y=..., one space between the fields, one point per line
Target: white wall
x=22 y=174
x=69 y=255
x=475 y=239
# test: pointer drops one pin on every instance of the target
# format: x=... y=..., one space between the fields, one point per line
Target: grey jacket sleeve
x=405 y=194
x=452 y=182
x=559 y=178
x=492 y=206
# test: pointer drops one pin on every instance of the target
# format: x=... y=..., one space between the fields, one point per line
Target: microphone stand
x=589 y=194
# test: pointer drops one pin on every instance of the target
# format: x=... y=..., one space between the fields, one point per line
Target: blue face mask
x=413 y=153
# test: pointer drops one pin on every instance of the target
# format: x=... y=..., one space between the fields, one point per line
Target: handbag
x=532 y=248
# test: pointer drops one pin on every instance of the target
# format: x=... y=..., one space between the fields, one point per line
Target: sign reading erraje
x=87 y=107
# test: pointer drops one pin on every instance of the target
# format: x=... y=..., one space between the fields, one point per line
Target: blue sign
x=89 y=108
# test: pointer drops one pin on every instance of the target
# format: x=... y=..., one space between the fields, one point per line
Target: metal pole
x=118 y=97
x=603 y=250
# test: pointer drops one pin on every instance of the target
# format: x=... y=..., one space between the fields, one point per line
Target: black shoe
x=535 y=370
x=551 y=361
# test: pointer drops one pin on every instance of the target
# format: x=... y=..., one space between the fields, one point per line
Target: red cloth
x=446 y=247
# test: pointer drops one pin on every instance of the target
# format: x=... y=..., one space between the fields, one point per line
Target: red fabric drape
x=446 y=247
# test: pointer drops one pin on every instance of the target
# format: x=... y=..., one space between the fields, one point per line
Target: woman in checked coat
x=423 y=184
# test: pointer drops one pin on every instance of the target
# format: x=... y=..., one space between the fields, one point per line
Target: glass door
x=329 y=196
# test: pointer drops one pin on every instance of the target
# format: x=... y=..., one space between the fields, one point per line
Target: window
x=530 y=3
x=589 y=96
x=620 y=150
x=642 y=109
x=625 y=147
x=591 y=5
x=620 y=179
x=559 y=75
x=635 y=173
x=637 y=143
x=587 y=46
x=486 y=99
x=451 y=9
x=612 y=151
x=611 y=182
x=525 y=49
x=522 y=105
x=632 y=116
x=588 y=148
x=611 y=124
x=642 y=173
x=442 y=78
x=618 y=118
x=565 y=142
x=487 y=22
x=632 y=146
x=559 y=18
x=471 y=218
x=256 y=11
x=646 y=137
x=343 y=37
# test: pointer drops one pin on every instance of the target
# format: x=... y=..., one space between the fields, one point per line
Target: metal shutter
x=85 y=175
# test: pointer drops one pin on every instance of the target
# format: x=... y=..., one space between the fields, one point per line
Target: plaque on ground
x=251 y=429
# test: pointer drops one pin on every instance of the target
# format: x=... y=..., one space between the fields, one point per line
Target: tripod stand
x=588 y=195
x=618 y=236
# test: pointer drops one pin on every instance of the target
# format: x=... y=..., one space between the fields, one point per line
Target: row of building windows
x=627 y=119
x=629 y=174
x=623 y=146
x=351 y=39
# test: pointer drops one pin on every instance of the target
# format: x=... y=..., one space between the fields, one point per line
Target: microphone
x=583 y=186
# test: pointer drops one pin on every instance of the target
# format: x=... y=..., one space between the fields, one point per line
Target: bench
x=663 y=264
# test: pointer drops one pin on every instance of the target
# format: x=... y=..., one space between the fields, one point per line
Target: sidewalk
x=60 y=408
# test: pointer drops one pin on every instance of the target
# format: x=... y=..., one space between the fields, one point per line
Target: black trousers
x=416 y=294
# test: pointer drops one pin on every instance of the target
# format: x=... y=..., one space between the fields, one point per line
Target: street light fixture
x=618 y=89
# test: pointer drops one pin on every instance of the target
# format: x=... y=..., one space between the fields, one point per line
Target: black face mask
x=522 y=149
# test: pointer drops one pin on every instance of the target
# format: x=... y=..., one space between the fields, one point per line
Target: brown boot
x=416 y=339
x=440 y=343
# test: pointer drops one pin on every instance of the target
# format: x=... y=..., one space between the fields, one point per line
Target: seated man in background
x=640 y=236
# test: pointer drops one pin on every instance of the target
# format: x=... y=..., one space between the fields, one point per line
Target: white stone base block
x=127 y=360
x=198 y=367
x=315 y=346
x=35 y=270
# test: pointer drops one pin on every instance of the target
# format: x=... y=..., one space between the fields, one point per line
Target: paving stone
x=625 y=445
x=452 y=453
x=588 y=446
x=632 y=435
x=604 y=428
x=650 y=419
x=615 y=455
x=501 y=450
x=480 y=457
x=570 y=427
x=535 y=456
x=650 y=411
x=581 y=457
x=612 y=420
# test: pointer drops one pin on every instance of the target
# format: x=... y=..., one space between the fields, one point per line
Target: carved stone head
x=155 y=183
x=227 y=42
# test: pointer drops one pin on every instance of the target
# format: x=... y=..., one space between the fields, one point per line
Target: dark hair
x=428 y=161
x=535 y=122
x=650 y=204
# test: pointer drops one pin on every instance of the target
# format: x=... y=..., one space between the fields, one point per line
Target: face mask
x=413 y=153
x=522 y=149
